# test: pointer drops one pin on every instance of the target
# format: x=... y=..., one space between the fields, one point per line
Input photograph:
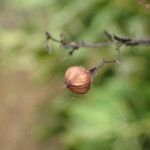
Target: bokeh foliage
x=115 y=113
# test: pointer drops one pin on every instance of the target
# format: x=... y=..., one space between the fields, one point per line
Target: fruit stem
x=93 y=71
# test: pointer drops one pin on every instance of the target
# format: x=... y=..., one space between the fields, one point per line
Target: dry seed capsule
x=78 y=79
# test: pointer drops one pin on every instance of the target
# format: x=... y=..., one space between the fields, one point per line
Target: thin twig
x=93 y=71
x=132 y=42
x=118 y=43
x=72 y=45
x=113 y=39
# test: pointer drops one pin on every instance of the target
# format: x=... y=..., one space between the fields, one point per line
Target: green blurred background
x=36 y=114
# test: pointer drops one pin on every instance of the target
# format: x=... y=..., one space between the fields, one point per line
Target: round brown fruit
x=77 y=79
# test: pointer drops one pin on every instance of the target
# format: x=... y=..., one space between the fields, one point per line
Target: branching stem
x=72 y=45
x=112 y=40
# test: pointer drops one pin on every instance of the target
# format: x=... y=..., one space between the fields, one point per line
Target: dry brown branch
x=72 y=45
x=112 y=40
